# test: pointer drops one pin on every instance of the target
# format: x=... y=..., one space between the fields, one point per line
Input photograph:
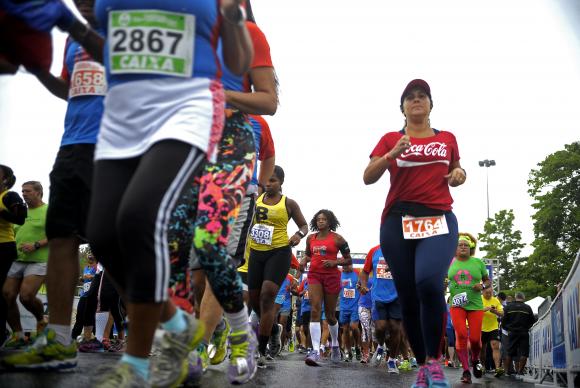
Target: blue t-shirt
x=366 y=300
x=349 y=294
x=384 y=286
x=84 y=112
x=89 y=270
x=206 y=13
x=284 y=292
x=305 y=306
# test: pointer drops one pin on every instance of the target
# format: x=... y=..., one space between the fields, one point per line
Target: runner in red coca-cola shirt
x=418 y=228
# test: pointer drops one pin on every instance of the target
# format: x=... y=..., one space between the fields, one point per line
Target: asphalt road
x=287 y=371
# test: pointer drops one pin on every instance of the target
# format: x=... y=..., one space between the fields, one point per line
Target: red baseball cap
x=416 y=83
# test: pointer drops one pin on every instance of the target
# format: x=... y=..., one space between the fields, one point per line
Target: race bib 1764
x=151 y=42
x=424 y=227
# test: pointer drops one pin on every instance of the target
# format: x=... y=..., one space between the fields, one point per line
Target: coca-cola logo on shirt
x=432 y=149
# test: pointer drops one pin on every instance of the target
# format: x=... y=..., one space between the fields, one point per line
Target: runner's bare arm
x=306 y=258
x=56 y=85
x=378 y=165
x=91 y=41
x=265 y=171
x=363 y=278
x=263 y=100
x=296 y=214
x=344 y=250
x=237 y=46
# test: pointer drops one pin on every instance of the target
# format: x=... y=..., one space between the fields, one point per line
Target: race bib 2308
x=151 y=42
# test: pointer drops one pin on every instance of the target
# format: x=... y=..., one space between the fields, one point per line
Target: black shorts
x=272 y=265
x=385 y=311
x=70 y=191
x=108 y=295
x=518 y=344
x=488 y=336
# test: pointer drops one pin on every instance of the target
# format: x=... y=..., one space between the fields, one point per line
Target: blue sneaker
x=378 y=357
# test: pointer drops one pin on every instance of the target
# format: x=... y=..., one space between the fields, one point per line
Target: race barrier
x=554 y=339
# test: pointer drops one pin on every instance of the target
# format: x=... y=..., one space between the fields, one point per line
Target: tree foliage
x=555 y=189
x=500 y=241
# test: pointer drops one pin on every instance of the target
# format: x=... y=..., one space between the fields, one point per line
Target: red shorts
x=22 y=45
x=330 y=281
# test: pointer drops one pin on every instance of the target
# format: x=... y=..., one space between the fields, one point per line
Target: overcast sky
x=504 y=77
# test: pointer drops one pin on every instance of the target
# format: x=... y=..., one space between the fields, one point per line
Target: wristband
x=36 y=245
x=240 y=19
x=299 y=233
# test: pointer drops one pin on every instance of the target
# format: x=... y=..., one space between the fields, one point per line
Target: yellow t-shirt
x=490 y=319
x=270 y=225
x=6 y=227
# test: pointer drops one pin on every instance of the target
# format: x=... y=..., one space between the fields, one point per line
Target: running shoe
x=261 y=362
x=477 y=369
x=92 y=346
x=377 y=357
x=335 y=354
x=499 y=372
x=243 y=364
x=365 y=357
x=313 y=359
x=413 y=362
x=218 y=349
x=358 y=354
x=421 y=381
x=122 y=375
x=436 y=376
x=15 y=342
x=392 y=367
x=405 y=366
x=275 y=342
x=46 y=353
x=203 y=356
x=449 y=364
x=466 y=377
x=170 y=367
x=194 y=370
x=117 y=346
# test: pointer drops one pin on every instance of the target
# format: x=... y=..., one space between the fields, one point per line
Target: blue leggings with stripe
x=419 y=268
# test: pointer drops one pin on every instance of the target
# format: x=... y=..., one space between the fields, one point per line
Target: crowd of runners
x=191 y=254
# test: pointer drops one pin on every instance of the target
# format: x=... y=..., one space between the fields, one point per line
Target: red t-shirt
x=262 y=56
x=417 y=175
x=267 y=149
x=368 y=265
x=323 y=249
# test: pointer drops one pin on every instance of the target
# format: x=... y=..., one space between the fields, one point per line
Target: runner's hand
x=456 y=177
x=27 y=247
x=294 y=240
x=478 y=287
x=329 y=263
x=402 y=145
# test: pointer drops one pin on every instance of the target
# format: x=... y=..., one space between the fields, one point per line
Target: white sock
x=238 y=321
x=101 y=320
x=334 y=334
x=315 y=335
x=62 y=333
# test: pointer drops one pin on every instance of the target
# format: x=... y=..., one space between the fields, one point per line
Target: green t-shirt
x=463 y=275
x=31 y=231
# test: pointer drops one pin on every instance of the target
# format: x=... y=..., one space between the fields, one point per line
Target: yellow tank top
x=6 y=227
x=270 y=225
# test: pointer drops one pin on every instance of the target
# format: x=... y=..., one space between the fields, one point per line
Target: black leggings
x=272 y=265
x=8 y=254
x=419 y=268
x=129 y=214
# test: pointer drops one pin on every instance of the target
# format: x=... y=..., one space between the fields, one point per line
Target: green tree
x=500 y=241
x=555 y=189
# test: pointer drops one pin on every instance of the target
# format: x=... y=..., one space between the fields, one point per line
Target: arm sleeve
x=261 y=47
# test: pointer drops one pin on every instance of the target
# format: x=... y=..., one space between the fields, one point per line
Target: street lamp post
x=487 y=163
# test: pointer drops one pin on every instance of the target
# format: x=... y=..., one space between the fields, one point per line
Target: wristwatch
x=36 y=245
